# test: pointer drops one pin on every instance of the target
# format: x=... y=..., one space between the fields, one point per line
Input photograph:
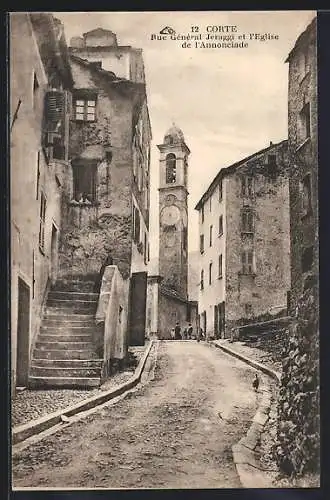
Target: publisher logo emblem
x=167 y=31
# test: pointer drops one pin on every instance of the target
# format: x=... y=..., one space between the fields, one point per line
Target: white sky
x=229 y=102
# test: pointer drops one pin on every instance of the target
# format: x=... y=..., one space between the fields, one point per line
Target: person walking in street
x=177 y=331
x=173 y=334
x=200 y=334
x=190 y=331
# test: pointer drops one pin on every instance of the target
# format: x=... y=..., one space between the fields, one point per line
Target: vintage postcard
x=164 y=250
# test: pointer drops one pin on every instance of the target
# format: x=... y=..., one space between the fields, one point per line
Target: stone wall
x=298 y=445
x=112 y=314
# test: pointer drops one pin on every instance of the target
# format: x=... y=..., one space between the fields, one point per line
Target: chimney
x=271 y=143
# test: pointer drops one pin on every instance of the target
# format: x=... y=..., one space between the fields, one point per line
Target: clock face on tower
x=170 y=215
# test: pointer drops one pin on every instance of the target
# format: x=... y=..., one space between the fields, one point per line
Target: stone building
x=298 y=431
x=168 y=300
x=80 y=159
x=107 y=209
x=244 y=242
x=39 y=67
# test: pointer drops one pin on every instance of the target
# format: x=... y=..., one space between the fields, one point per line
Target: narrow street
x=176 y=431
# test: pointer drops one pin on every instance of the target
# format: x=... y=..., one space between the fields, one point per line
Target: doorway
x=203 y=318
x=23 y=333
x=137 y=317
x=221 y=320
x=216 y=322
x=54 y=255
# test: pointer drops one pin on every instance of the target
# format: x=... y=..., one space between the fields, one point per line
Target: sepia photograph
x=164 y=250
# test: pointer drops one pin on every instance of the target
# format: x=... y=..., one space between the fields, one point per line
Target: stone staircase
x=64 y=355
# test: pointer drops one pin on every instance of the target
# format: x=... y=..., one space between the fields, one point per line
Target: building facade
x=107 y=209
x=39 y=155
x=298 y=407
x=303 y=156
x=244 y=242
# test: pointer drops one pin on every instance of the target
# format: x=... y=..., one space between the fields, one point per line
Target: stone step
x=67 y=329
x=70 y=308
x=59 y=337
x=62 y=372
x=67 y=317
x=74 y=286
x=61 y=354
x=68 y=363
x=65 y=382
x=73 y=346
x=68 y=303
x=61 y=295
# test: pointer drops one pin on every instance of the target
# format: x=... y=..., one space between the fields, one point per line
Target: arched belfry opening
x=170 y=168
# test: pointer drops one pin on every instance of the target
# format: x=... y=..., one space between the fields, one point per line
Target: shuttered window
x=220 y=267
x=247 y=221
x=42 y=221
x=247 y=262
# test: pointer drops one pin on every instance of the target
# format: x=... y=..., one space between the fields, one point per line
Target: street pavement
x=175 y=431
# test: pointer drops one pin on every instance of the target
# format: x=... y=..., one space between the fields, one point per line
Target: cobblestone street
x=176 y=431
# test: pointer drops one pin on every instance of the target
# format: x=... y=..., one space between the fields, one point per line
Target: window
x=185 y=238
x=247 y=186
x=36 y=87
x=220 y=190
x=306 y=195
x=248 y=309
x=272 y=160
x=211 y=231
x=304 y=63
x=247 y=221
x=38 y=175
x=42 y=222
x=185 y=171
x=84 y=183
x=170 y=168
x=145 y=249
x=220 y=267
x=136 y=225
x=220 y=225
x=307 y=259
x=85 y=109
x=247 y=262
x=140 y=172
x=202 y=279
x=210 y=273
x=201 y=243
x=202 y=212
x=305 y=122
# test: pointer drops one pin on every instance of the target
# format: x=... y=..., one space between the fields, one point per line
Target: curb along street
x=245 y=458
x=25 y=431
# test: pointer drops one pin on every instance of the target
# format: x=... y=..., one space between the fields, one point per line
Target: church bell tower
x=173 y=211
